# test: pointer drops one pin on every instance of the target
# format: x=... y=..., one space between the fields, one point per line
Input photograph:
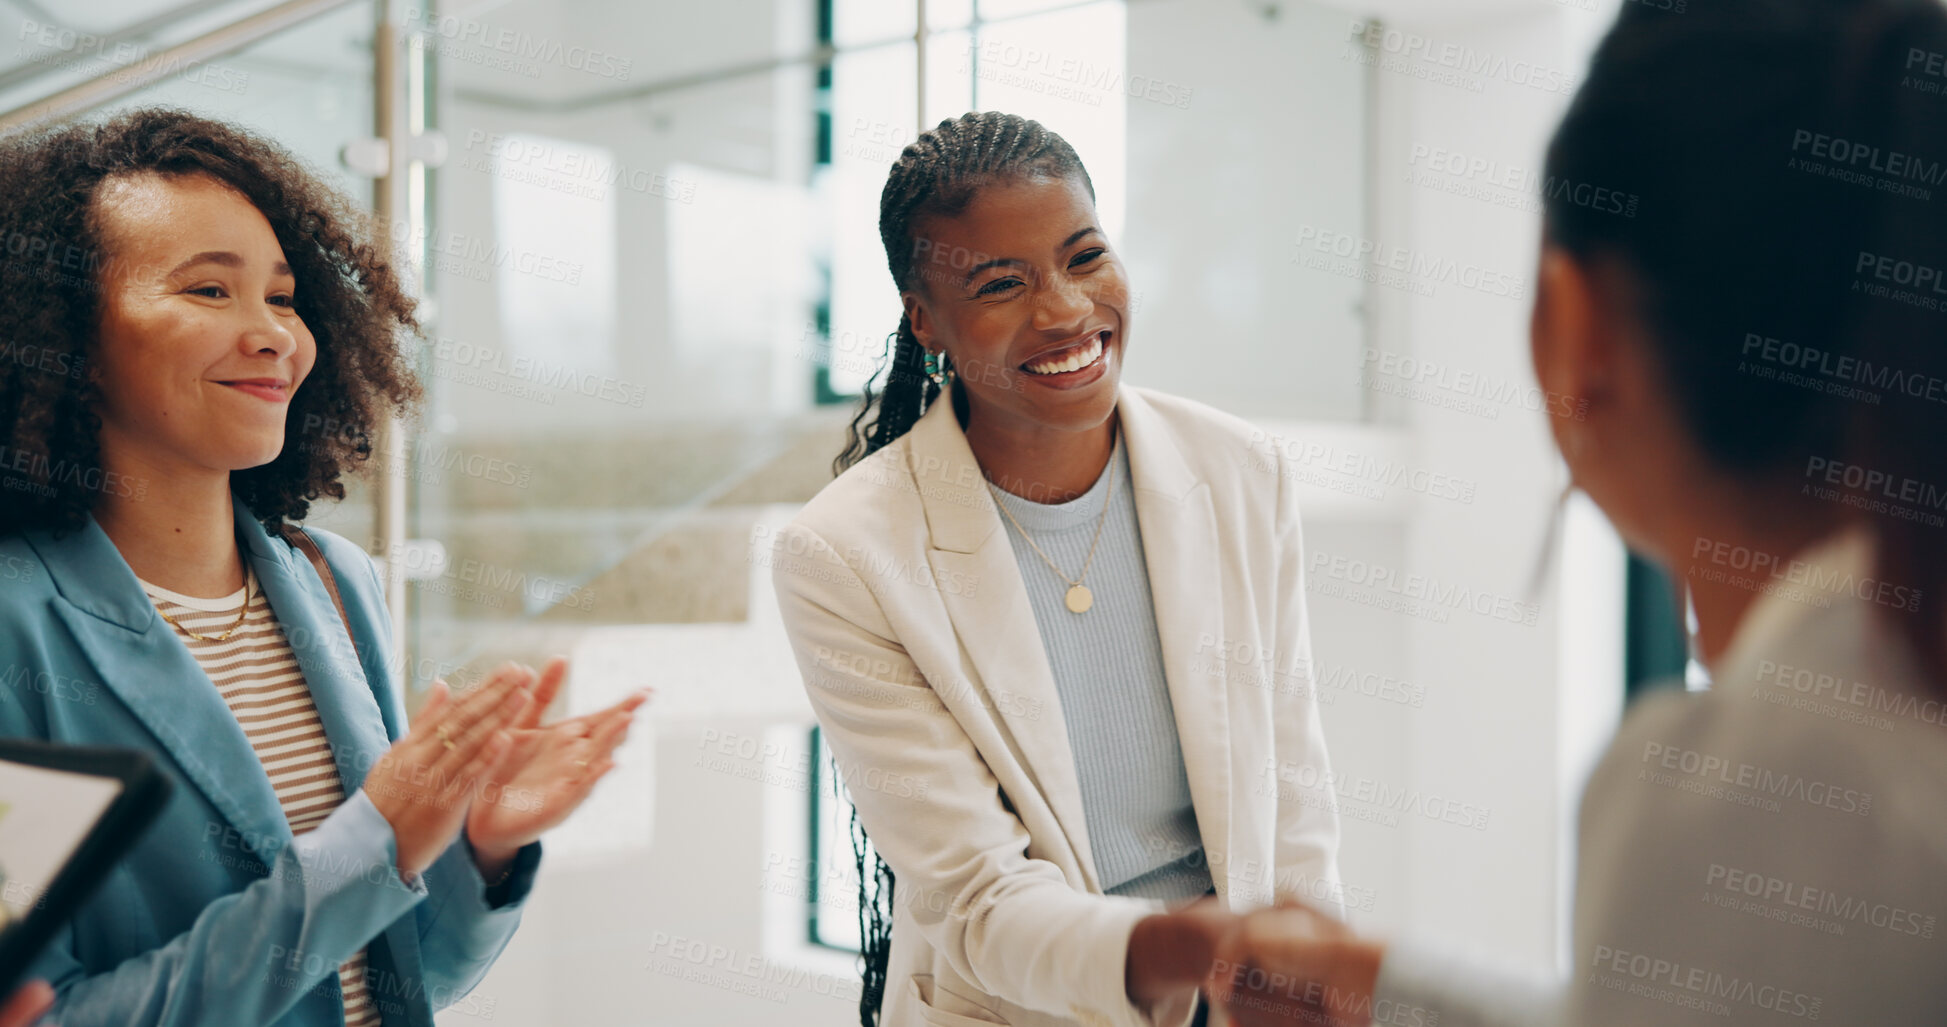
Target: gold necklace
x=1079 y=598
x=224 y=637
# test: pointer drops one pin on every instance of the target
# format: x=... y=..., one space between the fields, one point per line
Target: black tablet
x=67 y=813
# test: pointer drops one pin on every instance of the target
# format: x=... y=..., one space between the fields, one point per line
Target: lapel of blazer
x=998 y=630
x=348 y=707
x=323 y=647
x=1180 y=546
x=140 y=659
x=992 y=618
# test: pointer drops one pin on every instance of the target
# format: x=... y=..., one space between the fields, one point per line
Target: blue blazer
x=218 y=915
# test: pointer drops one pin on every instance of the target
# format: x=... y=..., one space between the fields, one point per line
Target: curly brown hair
x=51 y=258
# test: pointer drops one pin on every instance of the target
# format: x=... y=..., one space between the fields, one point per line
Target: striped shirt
x=259 y=679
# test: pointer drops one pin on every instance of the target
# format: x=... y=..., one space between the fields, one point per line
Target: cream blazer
x=911 y=625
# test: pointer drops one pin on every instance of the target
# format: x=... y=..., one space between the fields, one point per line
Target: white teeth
x=1075 y=360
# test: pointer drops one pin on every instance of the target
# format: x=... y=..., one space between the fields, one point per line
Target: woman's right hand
x=1172 y=953
x=425 y=782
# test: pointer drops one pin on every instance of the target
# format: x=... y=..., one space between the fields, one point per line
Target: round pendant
x=1080 y=598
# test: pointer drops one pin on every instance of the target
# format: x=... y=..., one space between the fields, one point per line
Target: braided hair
x=938 y=174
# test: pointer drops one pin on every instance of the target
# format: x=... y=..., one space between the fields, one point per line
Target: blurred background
x=646 y=238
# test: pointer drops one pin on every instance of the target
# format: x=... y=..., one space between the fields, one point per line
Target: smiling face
x=200 y=348
x=1021 y=290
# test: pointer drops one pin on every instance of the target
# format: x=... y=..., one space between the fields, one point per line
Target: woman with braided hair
x=1053 y=626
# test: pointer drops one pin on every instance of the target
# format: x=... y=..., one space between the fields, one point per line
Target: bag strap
x=301 y=540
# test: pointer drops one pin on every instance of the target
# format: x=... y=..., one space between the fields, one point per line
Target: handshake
x=1289 y=964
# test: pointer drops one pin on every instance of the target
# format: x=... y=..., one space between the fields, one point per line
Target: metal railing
x=115 y=83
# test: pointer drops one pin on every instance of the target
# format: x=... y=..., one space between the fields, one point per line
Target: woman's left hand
x=545 y=774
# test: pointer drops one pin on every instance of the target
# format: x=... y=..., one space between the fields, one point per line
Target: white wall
x=1268 y=142
x=1513 y=712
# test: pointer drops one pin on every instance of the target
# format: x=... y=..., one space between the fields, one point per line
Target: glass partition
x=54 y=47
x=309 y=88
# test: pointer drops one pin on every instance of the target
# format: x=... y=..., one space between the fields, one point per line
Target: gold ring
x=443 y=733
x=448 y=742
x=581 y=763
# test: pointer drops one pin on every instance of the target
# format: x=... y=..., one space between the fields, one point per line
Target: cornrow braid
x=938 y=174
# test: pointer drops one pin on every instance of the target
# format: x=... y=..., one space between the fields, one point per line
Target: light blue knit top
x=1108 y=666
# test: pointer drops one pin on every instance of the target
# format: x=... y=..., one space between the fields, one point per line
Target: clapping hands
x=485 y=763
x=546 y=771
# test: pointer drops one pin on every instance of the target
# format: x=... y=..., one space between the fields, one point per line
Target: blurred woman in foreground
x=1763 y=355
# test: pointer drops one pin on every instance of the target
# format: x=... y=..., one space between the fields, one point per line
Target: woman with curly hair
x=196 y=343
